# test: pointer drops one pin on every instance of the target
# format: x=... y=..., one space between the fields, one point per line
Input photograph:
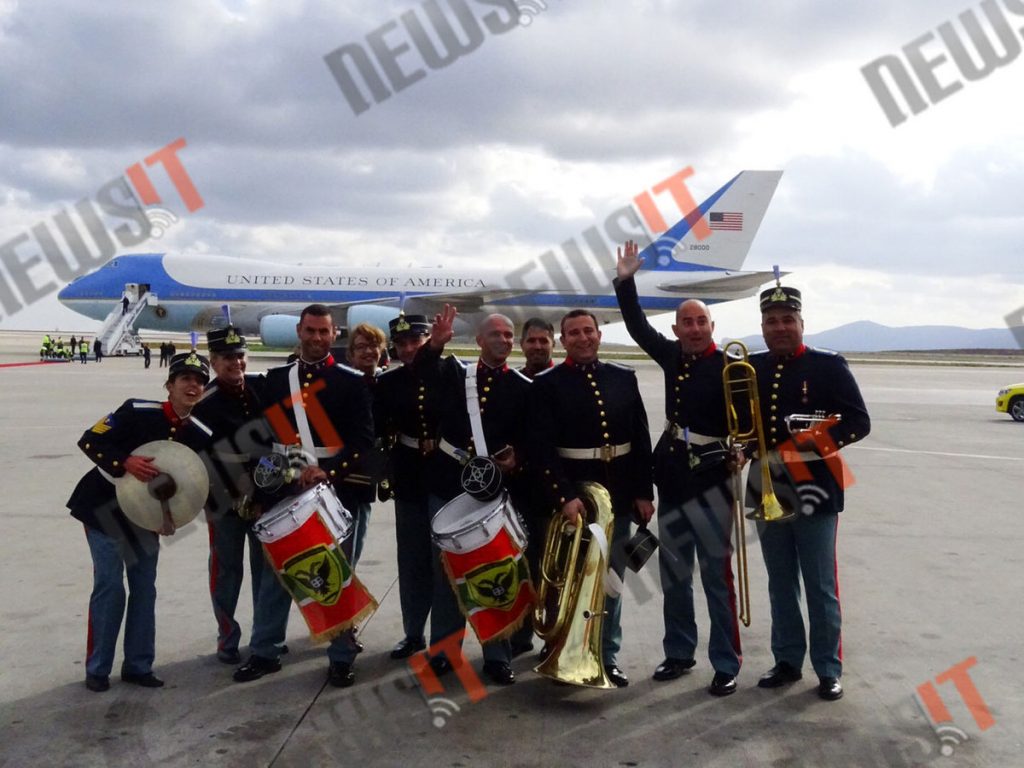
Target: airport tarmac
x=930 y=547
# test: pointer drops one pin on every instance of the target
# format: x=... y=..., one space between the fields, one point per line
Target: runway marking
x=937 y=453
x=41 y=362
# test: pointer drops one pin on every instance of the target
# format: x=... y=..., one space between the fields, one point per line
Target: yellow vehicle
x=1011 y=400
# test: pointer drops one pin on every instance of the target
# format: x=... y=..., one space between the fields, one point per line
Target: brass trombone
x=569 y=616
x=740 y=382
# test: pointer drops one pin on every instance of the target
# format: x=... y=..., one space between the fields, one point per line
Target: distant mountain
x=866 y=336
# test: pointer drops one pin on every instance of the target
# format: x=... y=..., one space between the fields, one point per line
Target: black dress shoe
x=148 y=680
x=545 y=651
x=407 y=647
x=97 y=683
x=722 y=684
x=340 y=674
x=829 y=688
x=671 y=668
x=616 y=675
x=440 y=665
x=518 y=649
x=781 y=674
x=255 y=668
x=499 y=672
x=227 y=656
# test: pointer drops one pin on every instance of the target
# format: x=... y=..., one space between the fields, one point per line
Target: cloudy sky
x=524 y=142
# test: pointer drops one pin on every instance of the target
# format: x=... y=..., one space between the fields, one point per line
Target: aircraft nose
x=77 y=288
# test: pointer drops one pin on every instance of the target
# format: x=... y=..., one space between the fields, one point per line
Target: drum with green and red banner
x=482 y=548
x=302 y=540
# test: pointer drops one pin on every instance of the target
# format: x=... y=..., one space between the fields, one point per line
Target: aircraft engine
x=279 y=330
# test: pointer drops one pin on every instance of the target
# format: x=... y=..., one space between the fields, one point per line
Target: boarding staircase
x=118 y=335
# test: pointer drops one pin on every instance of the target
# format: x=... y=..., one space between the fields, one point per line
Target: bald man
x=501 y=394
x=694 y=495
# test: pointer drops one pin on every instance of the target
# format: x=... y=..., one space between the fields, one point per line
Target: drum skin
x=466 y=523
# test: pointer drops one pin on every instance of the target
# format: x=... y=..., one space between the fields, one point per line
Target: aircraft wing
x=728 y=282
x=464 y=301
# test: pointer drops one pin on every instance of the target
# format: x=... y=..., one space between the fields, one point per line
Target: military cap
x=415 y=324
x=225 y=340
x=780 y=296
x=189 y=362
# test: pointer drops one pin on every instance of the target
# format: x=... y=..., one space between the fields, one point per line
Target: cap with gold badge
x=780 y=295
x=189 y=362
x=412 y=324
x=224 y=340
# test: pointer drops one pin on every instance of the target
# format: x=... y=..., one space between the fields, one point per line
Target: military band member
x=339 y=394
x=808 y=477
x=118 y=546
x=588 y=423
x=366 y=346
x=231 y=407
x=501 y=392
x=537 y=341
x=406 y=417
x=689 y=461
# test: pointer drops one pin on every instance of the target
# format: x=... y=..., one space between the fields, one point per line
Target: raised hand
x=441 y=331
x=629 y=260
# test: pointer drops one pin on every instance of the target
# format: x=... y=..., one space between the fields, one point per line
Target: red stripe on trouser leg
x=835 y=570
x=223 y=622
x=88 y=625
x=213 y=560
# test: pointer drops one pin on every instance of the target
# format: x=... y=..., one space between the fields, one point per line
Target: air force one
x=698 y=257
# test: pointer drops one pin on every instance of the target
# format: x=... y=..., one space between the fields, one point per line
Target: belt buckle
x=427 y=445
x=607 y=453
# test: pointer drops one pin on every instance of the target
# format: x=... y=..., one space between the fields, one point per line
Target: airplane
x=701 y=256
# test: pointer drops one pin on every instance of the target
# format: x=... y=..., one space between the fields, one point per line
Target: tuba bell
x=569 y=616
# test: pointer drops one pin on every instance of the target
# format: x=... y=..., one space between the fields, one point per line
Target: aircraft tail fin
x=718 y=232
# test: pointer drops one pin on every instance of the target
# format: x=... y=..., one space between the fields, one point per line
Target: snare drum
x=482 y=544
x=466 y=523
x=302 y=538
x=287 y=516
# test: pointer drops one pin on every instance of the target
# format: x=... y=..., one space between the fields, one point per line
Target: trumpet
x=569 y=616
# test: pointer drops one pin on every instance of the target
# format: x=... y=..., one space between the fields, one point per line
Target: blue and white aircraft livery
x=701 y=256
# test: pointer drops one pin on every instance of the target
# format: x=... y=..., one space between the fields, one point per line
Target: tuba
x=570 y=600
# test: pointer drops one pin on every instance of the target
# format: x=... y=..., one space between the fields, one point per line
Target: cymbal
x=182 y=482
